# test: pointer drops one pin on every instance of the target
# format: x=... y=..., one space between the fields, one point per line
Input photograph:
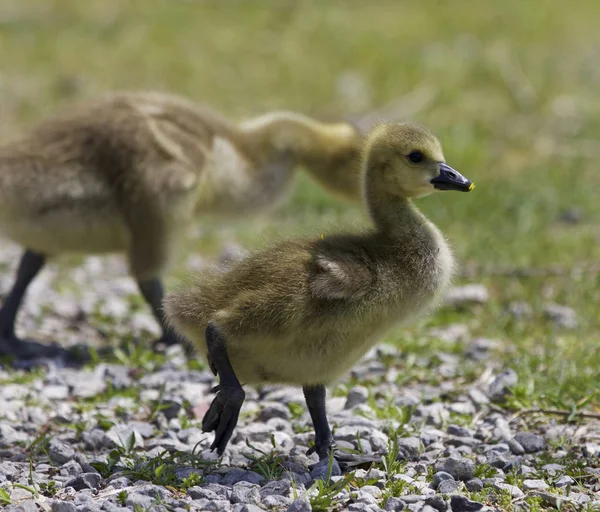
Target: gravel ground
x=124 y=434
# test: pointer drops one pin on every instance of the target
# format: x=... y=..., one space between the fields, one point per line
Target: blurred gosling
x=130 y=173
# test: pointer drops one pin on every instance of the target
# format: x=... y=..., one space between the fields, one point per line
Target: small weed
x=391 y=411
x=391 y=464
x=48 y=489
x=268 y=464
x=122 y=498
x=103 y=422
x=484 y=471
x=4 y=497
x=40 y=444
x=191 y=481
x=514 y=478
x=296 y=410
x=326 y=491
x=107 y=468
x=135 y=355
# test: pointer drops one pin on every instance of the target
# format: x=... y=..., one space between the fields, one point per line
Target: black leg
x=29 y=266
x=152 y=291
x=222 y=416
x=315 y=400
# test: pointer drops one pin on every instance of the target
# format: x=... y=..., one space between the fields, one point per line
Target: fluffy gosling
x=305 y=311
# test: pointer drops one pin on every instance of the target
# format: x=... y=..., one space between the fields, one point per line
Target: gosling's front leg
x=224 y=411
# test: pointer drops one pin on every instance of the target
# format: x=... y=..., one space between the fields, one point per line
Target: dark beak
x=449 y=179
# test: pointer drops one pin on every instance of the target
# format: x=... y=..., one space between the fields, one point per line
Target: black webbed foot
x=224 y=411
x=29 y=350
x=345 y=460
x=223 y=414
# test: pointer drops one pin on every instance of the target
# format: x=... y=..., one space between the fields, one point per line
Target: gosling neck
x=393 y=215
x=329 y=152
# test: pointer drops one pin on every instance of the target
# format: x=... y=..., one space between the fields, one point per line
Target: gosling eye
x=415 y=157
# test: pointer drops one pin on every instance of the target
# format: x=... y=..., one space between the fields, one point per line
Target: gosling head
x=410 y=162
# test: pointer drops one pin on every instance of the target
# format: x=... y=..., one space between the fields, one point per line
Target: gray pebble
x=394 y=504
x=320 y=470
x=462 y=504
x=154 y=491
x=474 y=485
x=95 y=439
x=463 y=296
x=218 y=506
x=439 y=477
x=437 y=502
x=458 y=431
x=246 y=507
x=553 y=469
x=120 y=482
x=362 y=507
x=447 y=486
x=411 y=445
x=85 y=481
x=300 y=505
x=71 y=468
x=276 y=501
x=141 y=500
x=244 y=492
x=60 y=452
x=435 y=413
x=497 y=460
x=239 y=475
x=413 y=498
x=459 y=468
x=272 y=410
x=515 y=447
x=535 y=485
x=514 y=491
x=563 y=481
x=121 y=435
x=501 y=385
x=23 y=506
x=478 y=396
x=479 y=348
x=91 y=507
x=201 y=493
x=276 y=487
x=563 y=316
x=530 y=442
x=63 y=506
x=357 y=395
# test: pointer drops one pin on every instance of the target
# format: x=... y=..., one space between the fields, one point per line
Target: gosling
x=305 y=311
x=129 y=173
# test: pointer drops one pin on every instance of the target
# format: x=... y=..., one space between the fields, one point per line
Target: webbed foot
x=223 y=414
x=28 y=350
x=343 y=460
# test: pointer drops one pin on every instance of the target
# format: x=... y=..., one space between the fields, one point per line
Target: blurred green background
x=512 y=89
